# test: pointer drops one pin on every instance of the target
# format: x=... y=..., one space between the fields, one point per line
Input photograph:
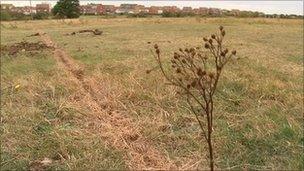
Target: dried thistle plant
x=196 y=72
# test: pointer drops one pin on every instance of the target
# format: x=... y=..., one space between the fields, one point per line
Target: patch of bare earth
x=22 y=47
x=114 y=126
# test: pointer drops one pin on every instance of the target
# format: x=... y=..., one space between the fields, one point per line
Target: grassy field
x=45 y=114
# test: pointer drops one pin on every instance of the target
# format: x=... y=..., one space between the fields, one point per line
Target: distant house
x=195 y=10
x=108 y=9
x=121 y=11
x=7 y=7
x=146 y=10
x=187 y=10
x=43 y=8
x=140 y=9
x=235 y=12
x=100 y=9
x=214 y=11
x=24 y=10
x=127 y=8
x=155 y=10
x=88 y=9
x=170 y=9
x=201 y=11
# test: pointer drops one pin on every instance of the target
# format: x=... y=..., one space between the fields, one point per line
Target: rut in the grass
x=117 y=128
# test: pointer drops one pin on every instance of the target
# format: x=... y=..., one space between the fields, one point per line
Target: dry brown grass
x=115 y=127
x=259 y=108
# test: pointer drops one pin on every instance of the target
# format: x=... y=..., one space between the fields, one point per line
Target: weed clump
x=195 y=72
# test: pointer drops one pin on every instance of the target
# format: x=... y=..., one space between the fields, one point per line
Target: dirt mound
x=95 y=32
x=36 y=34
x=23 y=46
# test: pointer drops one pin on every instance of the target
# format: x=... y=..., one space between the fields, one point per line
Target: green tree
x=67 y=9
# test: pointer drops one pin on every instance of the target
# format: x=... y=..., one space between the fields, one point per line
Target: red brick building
x=24 y=10
x=94 y=9
x=43 y=8
x=171 y=9
x=214 y=11
x=187 y=10
x=100 y=9
x=108 y=9
x=139 y=9
x=201 y=11
x=155 y=10
x=89 y=9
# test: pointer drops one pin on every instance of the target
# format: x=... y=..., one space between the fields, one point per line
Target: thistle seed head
x=188 y=86
x=226 y=51
x=211 y=75
x=200 y=72
x=207 y=46
x=223 y=53
x=233 y=52
x=193 y=84
x=210 y=41
x=155 y=46
x=223 y=33
x=176 y=55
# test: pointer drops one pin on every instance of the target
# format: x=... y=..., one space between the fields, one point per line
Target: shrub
x=195 y=72
x=19 y=16
x=5 y=16
x=139 y=15
x=177 y=14
x=41 y=16
x=167 y=14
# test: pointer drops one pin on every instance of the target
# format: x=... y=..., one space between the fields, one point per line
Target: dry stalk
x=196 y=72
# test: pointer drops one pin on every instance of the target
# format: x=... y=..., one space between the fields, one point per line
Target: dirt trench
x=117 y=129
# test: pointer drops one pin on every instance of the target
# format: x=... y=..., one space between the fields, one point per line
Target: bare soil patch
x=96 y=32
x=24 y=46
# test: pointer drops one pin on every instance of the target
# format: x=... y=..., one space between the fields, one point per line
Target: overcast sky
x=268 y=7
